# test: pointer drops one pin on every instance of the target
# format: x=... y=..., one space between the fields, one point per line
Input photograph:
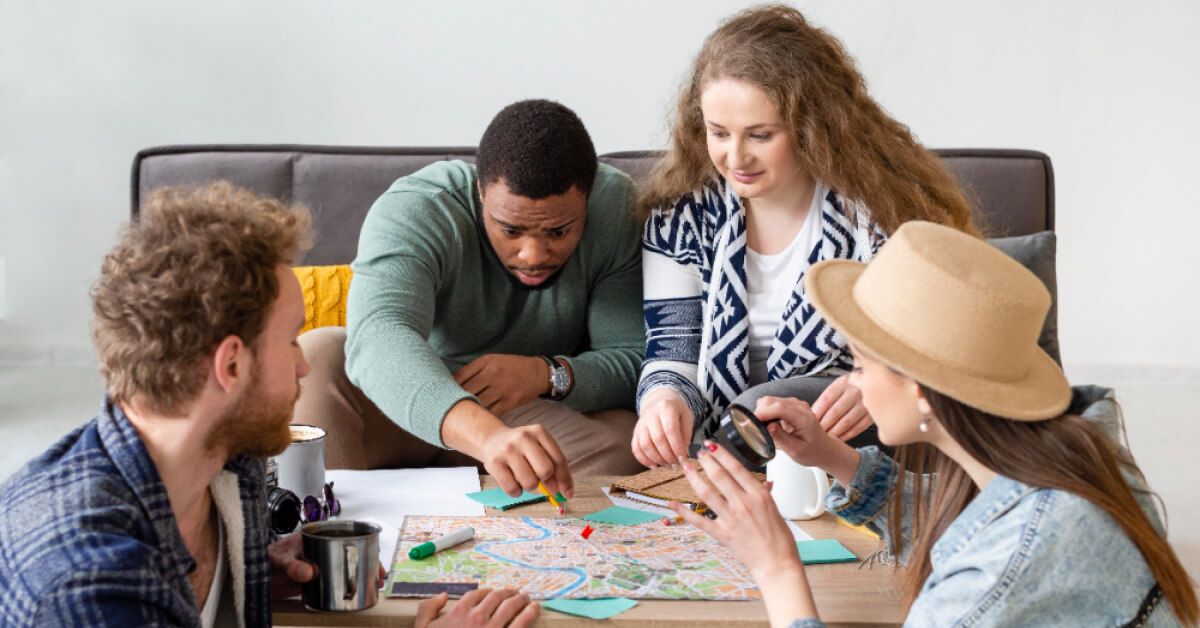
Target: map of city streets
x=547 y=558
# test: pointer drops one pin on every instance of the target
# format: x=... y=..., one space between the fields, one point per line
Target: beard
x=256 y=425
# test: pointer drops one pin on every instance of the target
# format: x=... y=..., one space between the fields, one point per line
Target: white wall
x=1108 y=89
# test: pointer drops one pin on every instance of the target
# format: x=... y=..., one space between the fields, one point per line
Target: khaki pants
x=361 y=436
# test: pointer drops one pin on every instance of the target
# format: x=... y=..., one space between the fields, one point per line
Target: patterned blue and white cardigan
x=697 y=324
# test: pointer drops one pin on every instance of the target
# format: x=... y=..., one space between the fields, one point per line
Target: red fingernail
x=711 y=446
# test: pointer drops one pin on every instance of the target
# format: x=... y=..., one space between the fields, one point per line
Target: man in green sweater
x=494 y=311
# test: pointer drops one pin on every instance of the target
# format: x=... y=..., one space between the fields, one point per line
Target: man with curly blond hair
x=154 y=513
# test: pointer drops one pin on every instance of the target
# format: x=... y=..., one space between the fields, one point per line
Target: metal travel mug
x=346 y=554
x=302 y=464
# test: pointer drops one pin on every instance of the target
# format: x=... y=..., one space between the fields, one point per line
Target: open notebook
x=658 y=487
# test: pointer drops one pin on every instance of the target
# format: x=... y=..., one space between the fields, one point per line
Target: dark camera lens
x=283 y=510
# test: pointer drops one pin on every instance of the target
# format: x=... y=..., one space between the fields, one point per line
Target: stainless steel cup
x=346 y=554
x=302 y=464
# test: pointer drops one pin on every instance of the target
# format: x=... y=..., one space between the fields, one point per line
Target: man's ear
x=231 y=363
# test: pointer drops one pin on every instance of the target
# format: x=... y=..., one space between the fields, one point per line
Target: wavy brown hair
x=1068 y=453
x=842 y=136
x=197 y=267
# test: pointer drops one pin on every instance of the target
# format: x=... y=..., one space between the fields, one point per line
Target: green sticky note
x=623 y=516
x=601 y=608
x=496 y=498
x=823 y=551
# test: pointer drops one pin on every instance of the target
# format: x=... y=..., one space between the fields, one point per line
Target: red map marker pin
x=587 y=531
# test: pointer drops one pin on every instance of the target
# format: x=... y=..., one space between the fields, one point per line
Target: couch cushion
x=325 y=289
x=1037 y=252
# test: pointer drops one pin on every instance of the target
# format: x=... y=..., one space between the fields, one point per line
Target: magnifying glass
x=745 y=436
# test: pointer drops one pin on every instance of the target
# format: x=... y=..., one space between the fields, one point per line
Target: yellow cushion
x=325 y=289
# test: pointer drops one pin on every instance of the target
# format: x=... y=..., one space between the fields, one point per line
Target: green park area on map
x=547 y=558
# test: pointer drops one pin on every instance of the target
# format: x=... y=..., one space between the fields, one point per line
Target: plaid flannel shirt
x=87 y=536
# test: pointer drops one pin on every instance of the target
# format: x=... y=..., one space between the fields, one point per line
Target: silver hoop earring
x=924 y=426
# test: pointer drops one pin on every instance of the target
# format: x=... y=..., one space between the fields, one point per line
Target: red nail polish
x=711 y=446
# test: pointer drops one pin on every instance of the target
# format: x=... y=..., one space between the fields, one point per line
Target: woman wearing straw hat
x=1010 y=500
x=779 y=157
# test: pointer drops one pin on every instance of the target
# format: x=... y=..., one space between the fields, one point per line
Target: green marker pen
x=428 y=548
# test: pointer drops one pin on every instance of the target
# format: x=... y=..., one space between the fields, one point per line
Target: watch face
x=561 y=382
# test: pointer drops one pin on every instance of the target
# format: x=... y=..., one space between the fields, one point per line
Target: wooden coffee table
x=846 y=594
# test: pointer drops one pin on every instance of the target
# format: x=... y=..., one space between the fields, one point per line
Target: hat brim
x=1043 y=393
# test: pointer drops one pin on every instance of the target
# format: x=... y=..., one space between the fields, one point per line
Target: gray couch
x=1012 y=190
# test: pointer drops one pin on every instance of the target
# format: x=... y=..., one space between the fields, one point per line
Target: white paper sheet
x=385 y=496
x=797 y=532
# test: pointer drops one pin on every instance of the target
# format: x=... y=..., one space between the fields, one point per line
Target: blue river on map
x=546 y=533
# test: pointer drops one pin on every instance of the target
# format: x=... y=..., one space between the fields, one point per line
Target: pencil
x=553 y=502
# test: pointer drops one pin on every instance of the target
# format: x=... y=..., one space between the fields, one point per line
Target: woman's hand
x=795 y=428
x=664 y=430
x=841 y=411
x=798 y=433
x=748 y=522
x=750 y=526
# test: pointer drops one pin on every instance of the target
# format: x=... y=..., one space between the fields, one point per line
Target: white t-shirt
x=770 y=281
x=208 y=615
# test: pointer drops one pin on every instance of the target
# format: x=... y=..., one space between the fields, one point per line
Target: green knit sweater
x=429 y=296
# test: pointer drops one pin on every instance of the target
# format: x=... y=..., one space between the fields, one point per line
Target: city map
x=547 y=558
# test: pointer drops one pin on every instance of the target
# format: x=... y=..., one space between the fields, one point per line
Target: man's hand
x=288 y=571
x=519 y=457
x=664 y=430
x=503 y=382
x=841 y=411
x=478 y=609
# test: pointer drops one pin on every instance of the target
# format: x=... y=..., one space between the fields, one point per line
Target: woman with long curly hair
x=1010 y=499
x=778 y=159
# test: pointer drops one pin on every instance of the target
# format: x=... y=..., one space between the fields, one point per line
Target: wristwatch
x=560 y=379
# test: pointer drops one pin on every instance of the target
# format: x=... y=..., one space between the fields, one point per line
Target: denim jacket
x=1019 y=555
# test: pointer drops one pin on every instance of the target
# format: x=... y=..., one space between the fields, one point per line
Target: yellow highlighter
x=562 y=510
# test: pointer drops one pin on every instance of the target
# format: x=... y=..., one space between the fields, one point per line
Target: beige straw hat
x=951 y=312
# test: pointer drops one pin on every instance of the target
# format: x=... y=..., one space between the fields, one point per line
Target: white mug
x=302 y=464
x=799 y=491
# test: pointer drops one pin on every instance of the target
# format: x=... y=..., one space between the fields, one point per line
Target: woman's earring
x=924 y=426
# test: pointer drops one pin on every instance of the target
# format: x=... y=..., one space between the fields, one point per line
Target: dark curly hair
x=539 y=148
x=196 y=267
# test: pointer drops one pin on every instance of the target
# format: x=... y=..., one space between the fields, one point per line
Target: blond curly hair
x=842 y=136
x=197 y=266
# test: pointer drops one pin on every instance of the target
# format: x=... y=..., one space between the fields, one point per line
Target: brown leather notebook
x=663 y=484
